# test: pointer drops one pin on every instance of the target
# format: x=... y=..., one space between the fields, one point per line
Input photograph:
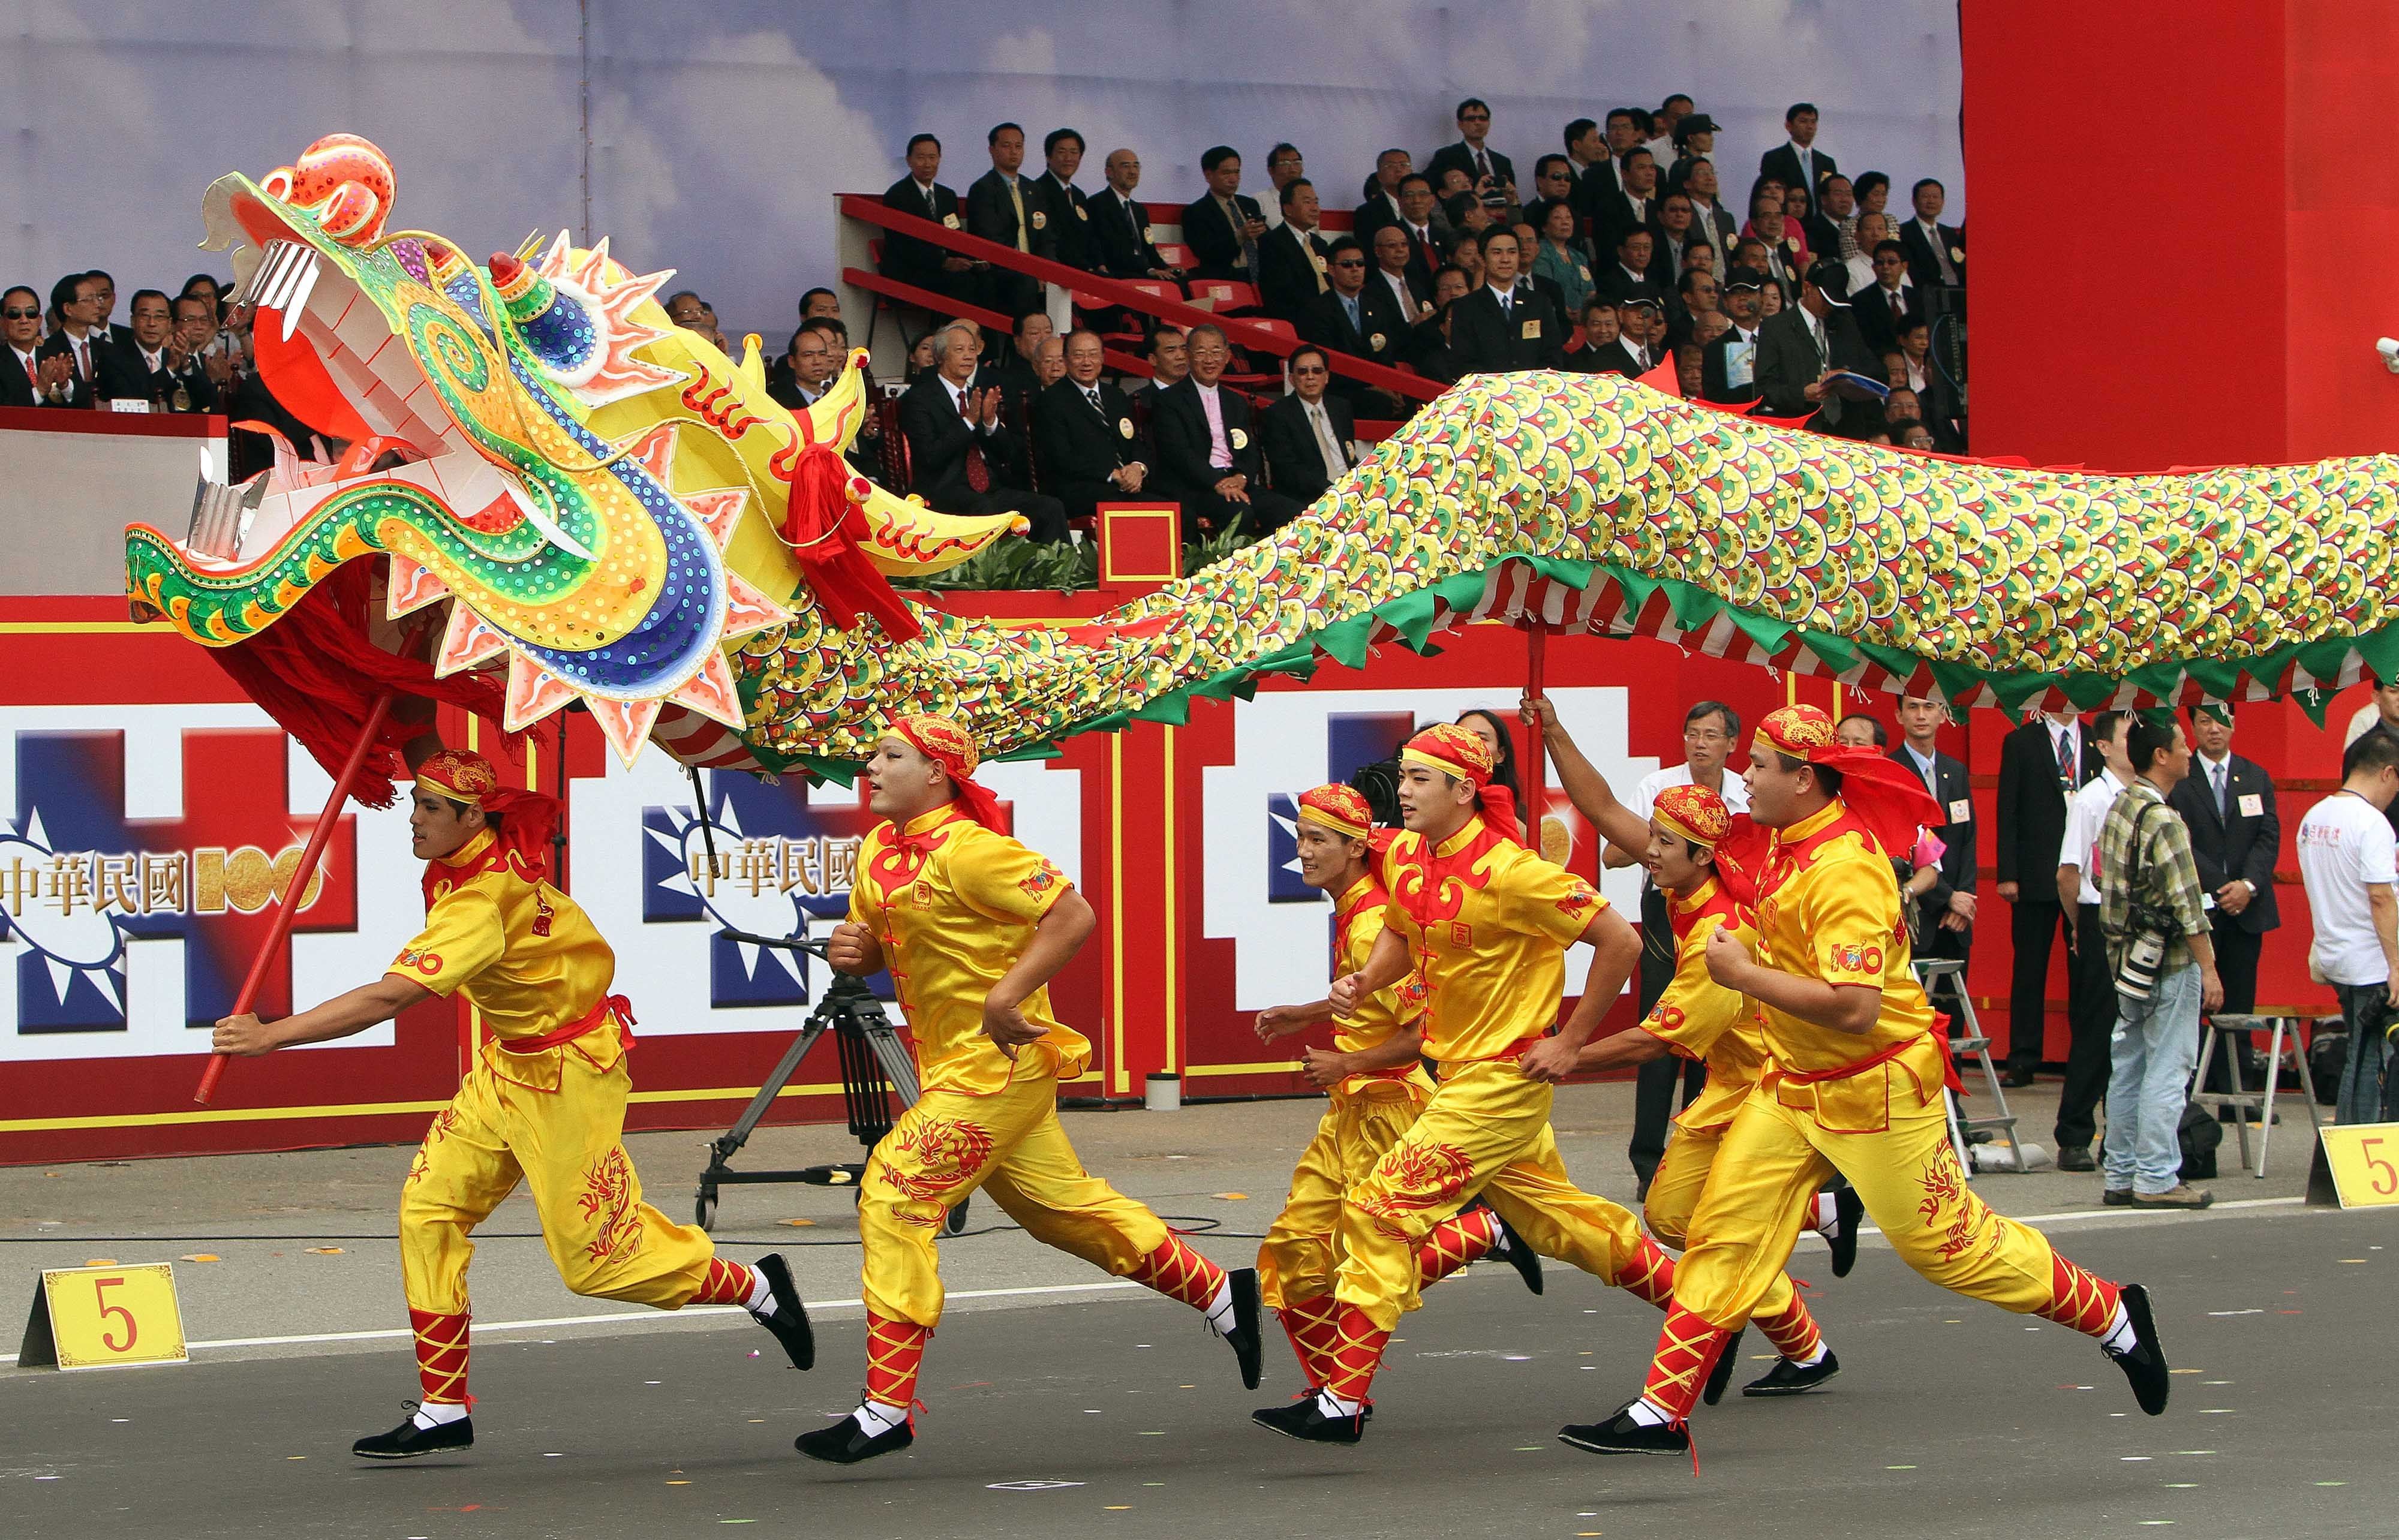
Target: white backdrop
x=712 y=138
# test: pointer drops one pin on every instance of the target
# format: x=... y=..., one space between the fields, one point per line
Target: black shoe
x=2016 y=1079
x=1621 y=1435
x=2117 y=1197
x=1721 y=1375
x=1517 y=1254
x=2146 y=1364
x=1247 y=1344
x=2076 y=1157
x=1305 y=1419
x=408 y=1441
x=789 y=1320
x=846 y=1443
x=1848 y=1210
x=1790 y=1379
x=1365 y=1408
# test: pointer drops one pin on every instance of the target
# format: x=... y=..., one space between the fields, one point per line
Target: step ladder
x=1946 y=975
x=2287 y=1046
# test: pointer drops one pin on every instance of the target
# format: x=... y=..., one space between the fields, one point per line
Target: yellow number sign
x=106 y=1317
x=2365 y=1161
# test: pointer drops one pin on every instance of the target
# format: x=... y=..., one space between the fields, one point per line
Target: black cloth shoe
x=1248 y=1346
x=1790 y=1379
x=1621 y=1435
x=2146 y=1364
x=1305 y=1419
x=2016 y=1079
x=1848 y=1210
x=408 y=1441
x=2076 y=1157
x=2117 y=1197
x=846 y=1443
x=1721 y=1375
x=789 y=1320
x=1522 y=1257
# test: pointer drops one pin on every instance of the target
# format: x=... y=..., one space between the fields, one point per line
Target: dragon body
x=615 y=513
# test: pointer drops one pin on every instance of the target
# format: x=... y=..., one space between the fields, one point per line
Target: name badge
x=1239 y=438
x=1080 y=212
x=949 y=222
x=1532 y=330
x=1124 y=427
x=1376 y=341
x=1040 y=220
x=1957 y=253
x=1962 y=810
x=2252 y=805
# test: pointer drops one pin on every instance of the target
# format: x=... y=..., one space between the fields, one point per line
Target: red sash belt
x=590 y=1020
x=1939 y=1034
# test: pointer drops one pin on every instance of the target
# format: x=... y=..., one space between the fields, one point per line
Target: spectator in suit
x=1487 y=171
x=155 y=366
x=1936 y=252
x=960 y=461
x=1084 y=442
x=1360 y=320
x=1670 y=236
x=1050 y=362
x=1396 y=270
x=117 y=335
x=1709 y=217
x=1624 y=135
x=1467 y=257
x=1947 y=905
x=2346 y=861
x=1208 y=455
x=1587 y=156
x=1662 y=123
x=912 y=261
x=2091 y=1017
x=1005 y=207
x=1798 y=348
x=1382 y=205
x=1528 y=242
x=820 y=302
x=1832 y=230
x=2042 y=764
x=1222 y=228
x=1069 y=211
x=1416 y=223
x=686 y=309
x=1799 y=163
x=1892 y=303
x=1552 y=182
x=1698 y=256
x=1634 y=250
x=1636 y=208
x=30 y=378
x=1561 y=258
x=1507 y=324
x=1121 y=231
x=1169 y=362
x=74 y=300
x=1309 y=435
x=1695 y=295
x=1598 y=354
x=1011 y=372
x=1435 y=357
x=1786 y=255
x=1641 y=332
x=1913 y=371
x=813 y=356
x=1285 y=165
x=2236 y=833
x=1291 y=256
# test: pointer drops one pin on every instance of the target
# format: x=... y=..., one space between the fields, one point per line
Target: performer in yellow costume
x=1485 y=922
x=972 y=926
x=545 y=1104
x=1858 y=1065
x=1376 y=1084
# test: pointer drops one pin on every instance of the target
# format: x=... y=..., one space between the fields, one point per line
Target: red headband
x=1887 y=797
x=946 y=742
x=528 y=818
x=1460 y=751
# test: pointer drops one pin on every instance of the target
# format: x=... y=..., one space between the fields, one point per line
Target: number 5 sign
x=2363 y=1162
x=105 y=1317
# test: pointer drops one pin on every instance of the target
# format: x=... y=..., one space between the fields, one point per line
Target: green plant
x=1198 y=554
x=1064 y=565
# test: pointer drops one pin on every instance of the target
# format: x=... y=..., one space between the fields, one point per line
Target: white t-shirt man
x=2345 y=846
x=2085 y=815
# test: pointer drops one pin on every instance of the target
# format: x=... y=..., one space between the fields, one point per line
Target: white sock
x=1828 y=1214
x=1331 y=1405
x=761 y=1302
x=1220 y=1309
x=1812 y=1360
x=1646 y=1415
x=436 y=1414
x=2119 y=1337
x=877 y=1417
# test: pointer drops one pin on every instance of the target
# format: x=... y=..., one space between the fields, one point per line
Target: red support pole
x=280 y=931
x=1535 y=759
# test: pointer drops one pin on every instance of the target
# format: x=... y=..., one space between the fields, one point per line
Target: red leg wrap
x=726 y=1283
x=1466 y=1235
x=1313 y=1327
x=1358 y=1346
x=2079 y=1300
x=441 y=1356
x=1649 y=1275
x=1179 y=1273
x=895 y=1350
x=1793 y=1332
x=1687 y=1351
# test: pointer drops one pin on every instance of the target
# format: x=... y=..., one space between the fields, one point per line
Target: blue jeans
x=2155 y=1045
x=2362 y=1095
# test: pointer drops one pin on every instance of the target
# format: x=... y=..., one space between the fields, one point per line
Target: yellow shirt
x=1488 y=922
x=525 y=954
x=1828 y=909
x=955 y=906
x=1699 y=1019
x=1357 y=926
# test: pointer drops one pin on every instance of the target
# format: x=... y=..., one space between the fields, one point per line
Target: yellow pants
x=1298 y=1257
x=1485 y=1130
x=568 y=1146
x=1684 y=1173
x=1010 y=1145
x=1773 y=1157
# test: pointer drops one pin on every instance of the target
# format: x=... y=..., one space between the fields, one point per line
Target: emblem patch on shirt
x=1240 y=439
x=1581 y=902
x=921 y=896
x=1460 y=934
x=1040 y=220
x=1041 y=880
x=1853 y=959
x=1667 y=1018
x=1124 y=427
x=949 y=222
x=542 y=915
x=425 y=962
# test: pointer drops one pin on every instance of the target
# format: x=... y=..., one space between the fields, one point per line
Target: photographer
x=2346 y=862
x=2164 y=969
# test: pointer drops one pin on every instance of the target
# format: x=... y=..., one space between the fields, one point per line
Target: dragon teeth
x=284 y=282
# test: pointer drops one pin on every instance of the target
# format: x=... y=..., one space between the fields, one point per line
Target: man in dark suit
x=1619 y=214
x=1395 y=272
x=1728 y=365
x=1224 y=227
x=1507 y=324
x=1890 y=304
x=1358 y=316
x=1797 y=347
x=2041 y=764
x=1120 y=227
x=1627 y=272
x=1070 y=216
x=958 y=459
x=150 y=367
x=910 y=260
x=1640 y=343
x=1936 y=252
x=2235 y=835
x=1083 y=438
x=1486 y=169
x=1004 y=207
x=25 y=378
x=1949 y=906
x=1709 y=216
x=1209 y=458
x=1291 y=256
x=79 y=340
x=107 y=326
x=1799 y=163
x=1382 y=205
x=1598 y=354
x=1310 y=433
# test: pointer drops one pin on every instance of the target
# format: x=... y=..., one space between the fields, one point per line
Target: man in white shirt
x=2349 y=862
x=2091 y=1011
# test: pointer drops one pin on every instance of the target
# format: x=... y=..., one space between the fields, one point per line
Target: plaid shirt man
x=2169 y=876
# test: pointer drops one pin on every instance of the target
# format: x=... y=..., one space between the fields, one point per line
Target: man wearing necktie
x=28 y=380
x=1223 y=227
x=1084 y=443
x=1507 y=324
x=958 y=459
x=2041 y=764
x=76 y=299
x=1005 y=209
x=1308 y=433
x=1486 y=169
x=2235 y=835
x=921 y=194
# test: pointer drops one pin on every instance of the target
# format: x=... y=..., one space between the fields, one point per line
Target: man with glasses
x=1892 y=303
x=1360 y=318
x=79 y=340
x=1208 y=456
x=1122 y=229
x=1085 y=447
x=1491 y=175
x=1310 y=434
x=814 y=358
x=29 y=377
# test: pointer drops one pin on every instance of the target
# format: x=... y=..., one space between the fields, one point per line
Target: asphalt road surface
x=1112 y=1413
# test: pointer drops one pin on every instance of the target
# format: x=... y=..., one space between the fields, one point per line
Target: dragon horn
x=835 y=416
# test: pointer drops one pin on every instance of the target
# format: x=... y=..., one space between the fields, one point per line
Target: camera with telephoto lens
x=1379 y=784
x=2146 y=931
